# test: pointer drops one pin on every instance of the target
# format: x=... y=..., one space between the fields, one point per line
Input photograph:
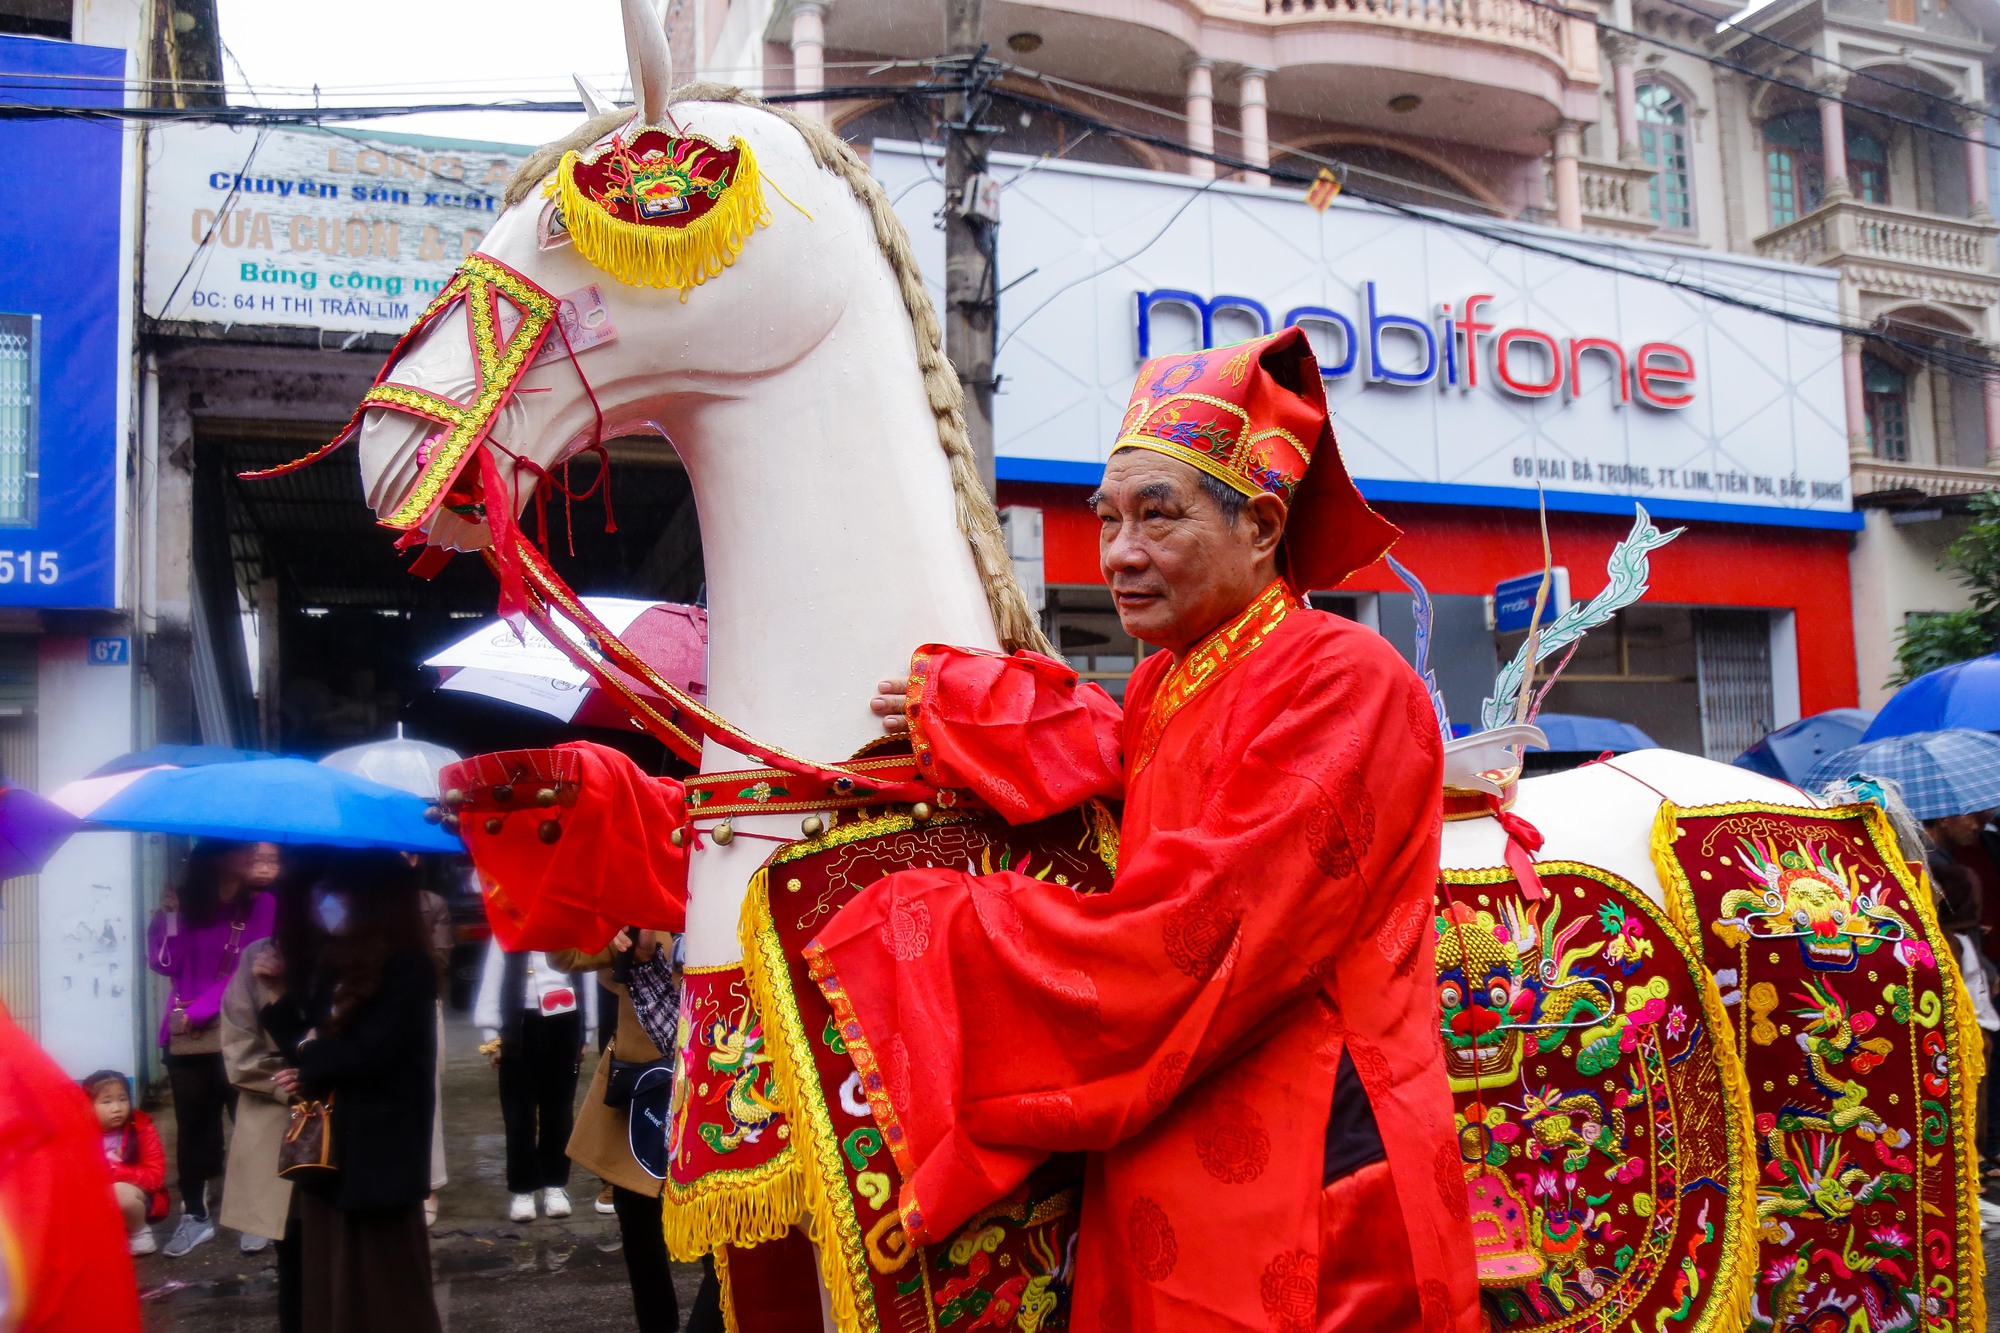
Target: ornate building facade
x=1846 y=135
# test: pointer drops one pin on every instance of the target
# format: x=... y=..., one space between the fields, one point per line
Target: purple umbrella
x=30 y=831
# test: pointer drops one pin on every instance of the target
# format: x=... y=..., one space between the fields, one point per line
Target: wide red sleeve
x=571 y=844
x=1020 y=730
x=1045 y=1022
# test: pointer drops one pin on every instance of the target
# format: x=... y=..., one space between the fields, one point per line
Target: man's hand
x=888 y=704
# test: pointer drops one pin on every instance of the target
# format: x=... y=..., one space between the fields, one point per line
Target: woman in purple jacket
x=196 y=937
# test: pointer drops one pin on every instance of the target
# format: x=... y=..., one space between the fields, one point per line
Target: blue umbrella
x=1962 y=695
x=177 y=756
x=1789 y=753
x=1939 y=772
x=1576 y=733
x=275 y=800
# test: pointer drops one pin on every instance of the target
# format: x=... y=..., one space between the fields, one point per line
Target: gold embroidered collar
x=1210 y=660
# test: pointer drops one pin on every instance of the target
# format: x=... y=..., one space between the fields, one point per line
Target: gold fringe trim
x=660 y=254
x=734 y=1211
x=842 y=1268
x=729 y=1324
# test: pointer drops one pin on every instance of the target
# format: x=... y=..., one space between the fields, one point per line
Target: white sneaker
x=250 y=1244
x=191 y=1232
x=1989 y=1216
x=143 y=1242
x=555 y=1202
x=521 y=1208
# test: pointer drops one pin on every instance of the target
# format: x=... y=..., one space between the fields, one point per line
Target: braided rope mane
x=1013 y=622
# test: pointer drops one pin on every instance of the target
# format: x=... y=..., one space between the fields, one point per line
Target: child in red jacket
x=132 y=1151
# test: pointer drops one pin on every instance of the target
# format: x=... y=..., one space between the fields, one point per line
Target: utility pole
x=971 y=227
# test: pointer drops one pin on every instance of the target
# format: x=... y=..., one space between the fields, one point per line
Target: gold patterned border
x=1211 y=659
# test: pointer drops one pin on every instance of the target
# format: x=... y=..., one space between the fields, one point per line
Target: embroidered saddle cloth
x=1603 y=1130
x=1860 y=1055
x=772 y=1126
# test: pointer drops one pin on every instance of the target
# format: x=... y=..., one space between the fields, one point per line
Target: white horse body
x=791 y=389
x=1602 y=814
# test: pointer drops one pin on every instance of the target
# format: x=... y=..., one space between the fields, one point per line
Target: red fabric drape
x=611 y=864
x=994 y=709
x=1271 y=909
x=64 y=1266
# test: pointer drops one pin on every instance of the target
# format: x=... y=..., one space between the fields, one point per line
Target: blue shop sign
x=1514 y=600
x=62 y=314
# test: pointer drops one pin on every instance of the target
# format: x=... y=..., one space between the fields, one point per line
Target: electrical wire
x=1925 y=351
x=1764 y=76
x=1732 y=26
x=1968 y=365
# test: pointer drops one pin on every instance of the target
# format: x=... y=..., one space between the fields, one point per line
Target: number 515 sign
x=30 y=566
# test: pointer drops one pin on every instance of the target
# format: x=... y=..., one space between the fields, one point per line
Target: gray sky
x=379 y=52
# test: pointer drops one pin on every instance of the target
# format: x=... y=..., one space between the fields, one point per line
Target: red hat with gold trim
x=1253 y=416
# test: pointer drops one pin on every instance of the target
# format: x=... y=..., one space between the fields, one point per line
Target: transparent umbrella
x=401 y=762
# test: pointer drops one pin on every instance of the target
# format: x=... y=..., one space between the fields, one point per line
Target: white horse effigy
x=1711 y=1068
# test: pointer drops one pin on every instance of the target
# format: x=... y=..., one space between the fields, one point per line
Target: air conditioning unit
x=1021 y=528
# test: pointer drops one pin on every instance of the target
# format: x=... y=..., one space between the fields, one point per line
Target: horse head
x=674 y=351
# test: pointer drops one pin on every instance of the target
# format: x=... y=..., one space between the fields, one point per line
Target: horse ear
x=651 y=60
x=595 y=103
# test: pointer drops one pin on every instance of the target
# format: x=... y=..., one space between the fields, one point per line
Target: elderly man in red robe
x=1242 y=1034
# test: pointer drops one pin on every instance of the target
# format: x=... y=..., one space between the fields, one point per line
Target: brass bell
x=451 y=822
x=811 y=826
x=454 y=797
x=921 y=812
x=494 y=823
x=546 y=796
x=678 y=837
x=434 y=814
x=504 y=793
x=548 y=830
x=723 y=834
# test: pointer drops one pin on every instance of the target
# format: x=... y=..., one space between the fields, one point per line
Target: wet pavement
x=490 y=1273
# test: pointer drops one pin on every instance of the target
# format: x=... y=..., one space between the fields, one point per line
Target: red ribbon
x=1523 y=841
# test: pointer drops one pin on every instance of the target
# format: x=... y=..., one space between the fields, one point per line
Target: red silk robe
x=1272 y=906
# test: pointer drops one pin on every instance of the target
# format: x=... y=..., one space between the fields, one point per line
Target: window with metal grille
x=1663 y=139
x=1732 y=652
x=20 y=417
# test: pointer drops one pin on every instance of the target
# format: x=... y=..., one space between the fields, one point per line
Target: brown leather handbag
x=306 y=1155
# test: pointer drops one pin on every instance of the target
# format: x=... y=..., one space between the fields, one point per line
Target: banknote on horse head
x=803 y=387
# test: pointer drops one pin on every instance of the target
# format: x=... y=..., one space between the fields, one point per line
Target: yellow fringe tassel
x=765 y=970
x=662 y=254
x=735 y=1213
x=729 y=1324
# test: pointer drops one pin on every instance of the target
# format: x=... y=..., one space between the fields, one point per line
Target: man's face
x=1177 y=566
x=1958 y=830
